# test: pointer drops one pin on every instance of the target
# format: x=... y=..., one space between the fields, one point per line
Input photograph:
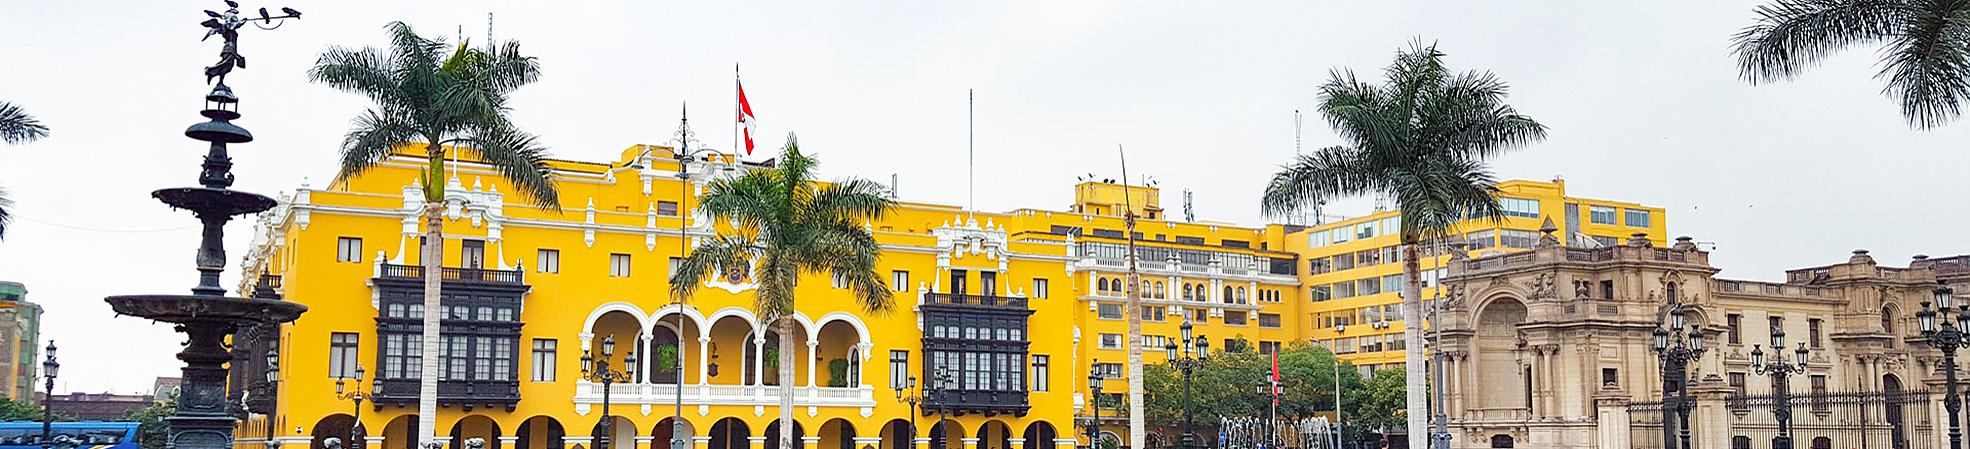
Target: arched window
x=1227 y=294
x=1241 y=296
x=1671 y=288
x=1101 y=285
x=1160 y=291
x=1186 y=292
x=1888 y=319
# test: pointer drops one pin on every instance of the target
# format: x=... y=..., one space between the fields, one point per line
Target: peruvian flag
x=1275 y=378
x=746 y=119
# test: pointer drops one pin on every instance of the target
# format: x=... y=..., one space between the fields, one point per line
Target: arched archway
x=339 y=426
x=1038 y=435
x=1897 y=406
x=625 y=329
x=540 y=432
x=994 y=434
x=839 y=353
x=947 y=434
x=400 y=433
x=475 y=426
x=896 y=435
x=1109 y=440
x=773 y=436
x=837 y=434
x=666 y=434
x=730 y=433
x=1497 y=341
x=621 y=434
x=731 y=349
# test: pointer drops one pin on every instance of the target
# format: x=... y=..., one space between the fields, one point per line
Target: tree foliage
x=1924 y=48
x=1231 y=384
x=16 y=126
x=12 y=410
x=152 y=430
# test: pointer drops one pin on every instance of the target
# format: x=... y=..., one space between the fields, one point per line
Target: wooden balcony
x=478 y=275
x=467 y=394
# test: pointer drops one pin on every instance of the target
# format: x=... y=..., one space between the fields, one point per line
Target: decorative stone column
x=1710 y=422
x=1611 y=411
x=755 y=442
x=969 y=443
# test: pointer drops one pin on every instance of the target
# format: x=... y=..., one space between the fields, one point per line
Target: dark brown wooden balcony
x=467 y=394
x=996 y=302
x=985 y=402
x=482 y=275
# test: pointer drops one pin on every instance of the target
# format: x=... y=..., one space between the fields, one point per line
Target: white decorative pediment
x=968 y=238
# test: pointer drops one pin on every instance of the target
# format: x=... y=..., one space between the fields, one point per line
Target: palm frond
x=711 y=257
x=366 y=72
x=6 y=216
x=1793 y=35
x=1323 y=175
x=777 y=277
x=853 y=200
x=369 y=141
x=751 y=200
x=520 y=158
x=1928 y=65
x=16 y=126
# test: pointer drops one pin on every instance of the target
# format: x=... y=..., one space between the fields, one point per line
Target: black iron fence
x=1842 y=420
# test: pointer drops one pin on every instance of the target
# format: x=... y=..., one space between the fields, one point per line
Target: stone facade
x=1547 y=348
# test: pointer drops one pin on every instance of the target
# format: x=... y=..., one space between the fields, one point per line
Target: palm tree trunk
x=1138 y=432
x=432 y=258
x=1412 y=337
x=786 y=382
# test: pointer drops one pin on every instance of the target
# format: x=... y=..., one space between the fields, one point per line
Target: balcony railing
x=976 y=300
x=666 y=393
x=400 y=391
x=267 y=287
x=486 y=275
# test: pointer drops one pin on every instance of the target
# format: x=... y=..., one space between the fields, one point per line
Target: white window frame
x=1594 y=215
x=1628 y=217
x=1110 y=341
x=619 y=264
x=545 y=351
x=899 y=280
x=349 y=249
x=547 y=260
x=1519 y=207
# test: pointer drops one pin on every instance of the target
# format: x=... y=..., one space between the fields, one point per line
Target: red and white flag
x=1275 y=378
x=746 y=119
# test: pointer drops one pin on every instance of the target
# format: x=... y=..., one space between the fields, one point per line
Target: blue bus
x=73 y=434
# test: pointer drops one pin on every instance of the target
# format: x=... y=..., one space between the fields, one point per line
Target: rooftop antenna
x=970 y=152
x=1299 y=217
x=1189 y=214
x=489 y=41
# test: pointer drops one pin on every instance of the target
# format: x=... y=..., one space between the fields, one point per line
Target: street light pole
x=913 y=398
x=1780 y=371
x=684 y=154
x=598 y=370
x=1094 y=404
x=1948 y=338
x=49 y=368
x=357 y=395
x=1677 y=343
x=1187 y=358
x=273 y=376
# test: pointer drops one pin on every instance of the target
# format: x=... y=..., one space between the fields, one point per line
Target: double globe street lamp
x=1780 y=370
x=598 y=370
x=342 y=392
x=1678 y=343
x=49 y=367
x=1194 y=352
x=1948 y=337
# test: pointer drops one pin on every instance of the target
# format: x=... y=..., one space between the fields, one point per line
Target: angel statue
x=226 y=25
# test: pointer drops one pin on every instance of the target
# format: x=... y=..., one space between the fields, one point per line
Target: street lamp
x=1677 y=343
x=1780 y=370
x=1094 y=404
x=1187 y=358
x=1270 y=388
x=49 y=368
x=357 y=395
x=905 y=394
x=683 y=139
x=598 y=370
x=1947 y=338
x=273 y=375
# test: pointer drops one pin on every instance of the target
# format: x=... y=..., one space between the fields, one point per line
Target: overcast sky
x=1642 y=98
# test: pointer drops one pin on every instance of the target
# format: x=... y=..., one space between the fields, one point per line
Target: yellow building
x=1353 y=272
x=999 y=317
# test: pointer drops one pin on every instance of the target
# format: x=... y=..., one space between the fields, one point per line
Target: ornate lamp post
x=1187 y=358
x=1780 y=370
x=1947 y=338
x=49 y=368
x=357 y=395
x=273 y=376
x=909 y=394
x=598 y=370
x=1094 y=404
x=1677 y=343
x=207 y=316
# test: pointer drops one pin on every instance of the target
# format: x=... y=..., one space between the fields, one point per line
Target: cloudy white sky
x=1642 y=98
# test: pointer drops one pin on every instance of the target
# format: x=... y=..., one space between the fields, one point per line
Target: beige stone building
x=1551 y=348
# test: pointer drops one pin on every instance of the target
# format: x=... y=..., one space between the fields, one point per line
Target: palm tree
x=1925 y=48
x=16 y=127
x=445 y=98
x=785 y=225
x=1421 y=138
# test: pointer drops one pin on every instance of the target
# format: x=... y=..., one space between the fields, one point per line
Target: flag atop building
x=748 y=125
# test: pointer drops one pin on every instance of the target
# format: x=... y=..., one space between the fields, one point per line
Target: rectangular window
x=1392 y=225
x=1108 y=370
x=1482 y=239
x=472 y=253
x=1776 y=322
x=1519 y=207
x=393 y=356
x=1268 y=347
x=1392 y=283
x=1270 y=320
x=458 y=357
x=1603 y=241
x=1040 y=372
x=899 y=280
x=342 y=357
x=1611 y=377
x=1607 y=289
x=1319 y=265
x=1343 y=289
x=482 y=356
x=1369 y=286
x=1365 y=230
x=1345 y=261
x=547 y=260
x=1317 y=239
x=667 y=208
x=1320 y=293
x=1736 y=381
x=958 y=283
x=1637 y=218
x=348 y=249
x=544 y=349
x=502 y=364
x=1819 y=392
x=1368 y=257
x=1234 y=317
x=1108 y=311
x=1734 y=327
x=1111 y=341
x=1040 y=288
x=1600 y=215
x=1154 y=313
x=1516 y=238
x=1813 y=332
x=1343 y=234
x=619 y=265
x=990 y=281
x=899 y=369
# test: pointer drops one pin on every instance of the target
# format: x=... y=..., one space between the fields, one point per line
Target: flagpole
x=970 y=152
x=736 y=117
